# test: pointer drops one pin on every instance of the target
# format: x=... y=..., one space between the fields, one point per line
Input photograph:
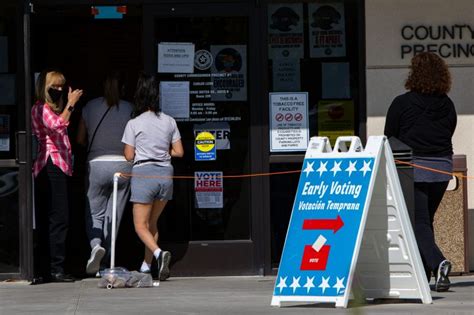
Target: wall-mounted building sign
x=175 y=57
x=447 y=40
x=289 y=121
x=396 y=31
x=327 y=30
x=285 y=31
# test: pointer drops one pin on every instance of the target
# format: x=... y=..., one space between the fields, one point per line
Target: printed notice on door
x=285 y=31
x=286 y=75
x=229 y=73
x=327 y=30
x=175 y=58
x=209 y=189
x=289 y=121
x=174 y=98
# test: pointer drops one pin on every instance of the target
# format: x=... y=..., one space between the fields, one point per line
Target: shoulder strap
x=95 y=131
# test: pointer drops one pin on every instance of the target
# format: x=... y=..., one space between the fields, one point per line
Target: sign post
x=349 y=229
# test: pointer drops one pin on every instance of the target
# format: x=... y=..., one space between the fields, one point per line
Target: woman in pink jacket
x=50 y=119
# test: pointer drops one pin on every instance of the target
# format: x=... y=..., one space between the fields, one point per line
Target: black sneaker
x=164 y=265
x=442 y=281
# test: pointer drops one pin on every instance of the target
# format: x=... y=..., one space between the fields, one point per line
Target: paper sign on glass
x=174 y=98
x=175 y=58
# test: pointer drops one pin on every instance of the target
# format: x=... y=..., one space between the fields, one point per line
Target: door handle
x=20 y=147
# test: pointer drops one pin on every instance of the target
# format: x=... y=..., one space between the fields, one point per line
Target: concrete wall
x=395 y=27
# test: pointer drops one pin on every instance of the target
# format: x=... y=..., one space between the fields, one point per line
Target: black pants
x=52 y=220
x=427 y=199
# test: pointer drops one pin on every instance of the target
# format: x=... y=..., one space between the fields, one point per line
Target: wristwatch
x=70 y=108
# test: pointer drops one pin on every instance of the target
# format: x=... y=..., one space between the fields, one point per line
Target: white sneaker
x=164 y=265
x=93 y=264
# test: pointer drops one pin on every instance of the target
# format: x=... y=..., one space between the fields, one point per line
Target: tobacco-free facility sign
x=289 y=121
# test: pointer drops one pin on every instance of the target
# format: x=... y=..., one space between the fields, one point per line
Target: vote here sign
x=209 y=189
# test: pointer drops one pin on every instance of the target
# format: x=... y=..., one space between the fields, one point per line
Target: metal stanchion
x=114 y=221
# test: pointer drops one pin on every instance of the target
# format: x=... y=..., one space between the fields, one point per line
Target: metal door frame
x=257 y=245
x=22 y=140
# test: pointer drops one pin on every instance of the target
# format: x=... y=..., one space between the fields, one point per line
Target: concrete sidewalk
x=214 y=295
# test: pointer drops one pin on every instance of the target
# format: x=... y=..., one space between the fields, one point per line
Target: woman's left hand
x=73 y=96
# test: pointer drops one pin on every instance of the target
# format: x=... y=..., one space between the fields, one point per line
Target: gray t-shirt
x=152 y=136
x=107 y=138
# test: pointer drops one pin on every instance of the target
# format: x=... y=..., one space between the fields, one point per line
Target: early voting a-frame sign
x=349 y=232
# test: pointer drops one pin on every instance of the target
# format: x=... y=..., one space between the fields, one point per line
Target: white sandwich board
x=349 y=231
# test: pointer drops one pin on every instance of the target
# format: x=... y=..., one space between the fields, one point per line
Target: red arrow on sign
x=329 y=224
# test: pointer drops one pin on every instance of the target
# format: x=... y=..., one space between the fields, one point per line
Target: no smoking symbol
x=298 y=117
x=279 y=117
x=289 y=117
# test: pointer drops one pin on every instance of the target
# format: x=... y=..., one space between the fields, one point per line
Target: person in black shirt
x=424 y=118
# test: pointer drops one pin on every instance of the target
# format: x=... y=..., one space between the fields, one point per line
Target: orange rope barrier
x=433 y=169
x=224 y=176
x=290 y=172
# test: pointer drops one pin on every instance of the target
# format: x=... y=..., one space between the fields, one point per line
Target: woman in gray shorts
x=151 y=139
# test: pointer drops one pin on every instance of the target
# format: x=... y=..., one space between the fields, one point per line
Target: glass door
x=203 y=59
x=315 y=48
x=15 y=167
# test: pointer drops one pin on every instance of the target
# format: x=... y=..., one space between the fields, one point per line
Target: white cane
x=114 y=221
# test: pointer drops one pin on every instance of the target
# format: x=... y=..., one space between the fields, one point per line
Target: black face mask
x=55 y=95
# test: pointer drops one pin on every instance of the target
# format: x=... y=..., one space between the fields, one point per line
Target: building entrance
x=211 y=224
x=69 y=38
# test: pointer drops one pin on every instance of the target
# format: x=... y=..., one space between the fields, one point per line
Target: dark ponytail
x=146 y=95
